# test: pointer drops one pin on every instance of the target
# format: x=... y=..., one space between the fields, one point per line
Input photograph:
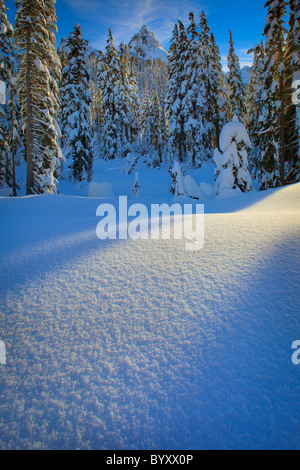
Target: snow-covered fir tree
x=218 y=103
x=55 y=69
x=235 y=85
x=110 y=80
x=176 y=63
x=213 y=78
x=156 y=136
x=35 y=29
x=150 y=75
x=177 y=179
x=157 y=118
x=162 y=88
x=135 y=103
x=207 y=79
x=253 y=104
x=96 y=110
x=96 y=117
x=75 y=100
x=231 y=161
x=136 y=186
x=193 y=95
x=150 y=130
x=196 y=94
x=292 y=104
x=11 y=141
x=146 y=126
x=6 y=44
x=128 y=103
x=7 y=70
x=271 y=121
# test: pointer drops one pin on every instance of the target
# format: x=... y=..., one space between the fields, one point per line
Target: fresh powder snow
x=141 y=344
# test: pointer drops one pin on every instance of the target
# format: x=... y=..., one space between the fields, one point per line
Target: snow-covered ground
x=142 y=344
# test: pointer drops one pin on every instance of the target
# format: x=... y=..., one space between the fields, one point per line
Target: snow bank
x=206 y=189
x=191 y=187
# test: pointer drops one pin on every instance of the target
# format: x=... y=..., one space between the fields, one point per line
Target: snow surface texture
x=144 y=45
x=141 y=344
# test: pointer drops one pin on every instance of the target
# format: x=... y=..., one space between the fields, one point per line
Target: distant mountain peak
x=145 y=28
x=246 y=73
x=145 y=45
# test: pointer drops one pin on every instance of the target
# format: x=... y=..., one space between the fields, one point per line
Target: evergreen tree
x=176 y=84
x=253 y=102
x=271 y=122
x=146 y=129
x=292 y=82
x=136 y=186
x=135 y=102
x=193 y=95
x=162 y=93
x=96 y=109
x=7 y=69
x=156 y=118
x=110 y=79
x=177 y=179
x=215 y=110
x=231 y=161
x=6 y=44
x=128 y=102
x=35 y=36
x=196 y=93
x=235 y=85
x=55 y=69
x=219 y=102
x=151 y=146
x=209 y=84
x=96 y=117
x=75 y=107
x=172 y=99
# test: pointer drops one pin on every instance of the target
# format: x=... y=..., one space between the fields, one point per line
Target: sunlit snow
x=142 y=344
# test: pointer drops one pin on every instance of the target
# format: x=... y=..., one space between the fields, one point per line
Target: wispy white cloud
x=125 y=18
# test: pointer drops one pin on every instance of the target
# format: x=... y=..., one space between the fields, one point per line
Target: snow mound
x=192 y=189
x=236 y=131
x=206 y=188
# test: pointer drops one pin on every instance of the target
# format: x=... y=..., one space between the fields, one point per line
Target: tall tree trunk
x=30 y=180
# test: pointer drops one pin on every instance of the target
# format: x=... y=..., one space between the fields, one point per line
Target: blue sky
x=246 y=20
